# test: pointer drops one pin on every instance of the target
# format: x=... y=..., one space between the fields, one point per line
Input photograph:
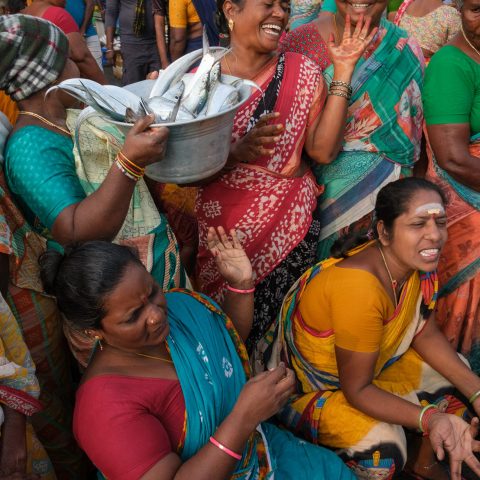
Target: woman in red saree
x=267 y=192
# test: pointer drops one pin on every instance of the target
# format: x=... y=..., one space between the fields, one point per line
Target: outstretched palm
x=230 y=257
x=353 y=45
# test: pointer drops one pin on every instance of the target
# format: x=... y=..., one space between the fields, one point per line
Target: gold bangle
x=339 y=94
x=339 y=83
x=128 y=175
x=125 y=167
x=133 y=165
x=474 y=396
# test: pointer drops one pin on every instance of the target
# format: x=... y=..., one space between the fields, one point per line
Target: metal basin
x=196 y=149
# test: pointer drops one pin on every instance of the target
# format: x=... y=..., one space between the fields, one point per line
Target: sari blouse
x=269 y=206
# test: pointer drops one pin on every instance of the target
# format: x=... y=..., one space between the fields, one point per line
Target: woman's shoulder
x=451 y=61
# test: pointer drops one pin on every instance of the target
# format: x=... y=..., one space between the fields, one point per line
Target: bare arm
x=261 y=397
x=101 y=215
x=178 y=42
x=450 y=145
x=87 y=17
x=13 y=456
x=235 y=267
x=434 y=348
x=356 y=379
x=111 y=17
x=159 y=21
x=81 y=55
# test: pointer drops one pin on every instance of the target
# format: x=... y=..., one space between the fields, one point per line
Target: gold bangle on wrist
x=474 y=396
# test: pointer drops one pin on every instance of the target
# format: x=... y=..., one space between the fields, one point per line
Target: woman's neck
x=49 y=108
x=245 y=63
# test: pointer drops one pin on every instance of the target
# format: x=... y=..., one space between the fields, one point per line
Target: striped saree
x=458 y=310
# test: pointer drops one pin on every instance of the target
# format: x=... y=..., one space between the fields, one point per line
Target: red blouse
x=127 y=424
x=61 y=18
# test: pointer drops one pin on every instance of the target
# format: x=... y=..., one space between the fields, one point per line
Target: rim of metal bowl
x=195 y=120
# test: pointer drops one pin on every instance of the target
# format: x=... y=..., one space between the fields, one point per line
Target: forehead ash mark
x=430 y=209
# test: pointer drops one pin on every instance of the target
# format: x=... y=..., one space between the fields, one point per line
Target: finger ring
x=361 y=38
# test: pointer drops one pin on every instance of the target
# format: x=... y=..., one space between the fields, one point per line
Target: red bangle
x=223 y=448
x=426 y=417
x=237 y=290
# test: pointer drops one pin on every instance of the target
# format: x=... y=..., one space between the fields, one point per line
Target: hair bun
x=50 y=264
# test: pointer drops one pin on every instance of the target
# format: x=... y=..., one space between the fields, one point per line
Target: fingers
x=213 y=241
x=358 y=27
x=235 y=240
x=474 y=427
x=455 y=469
x=473 y=463
x=347 y=31
x=142 y=124
x=366 y=27
x=277 y=374
x=268 y=117
x=331 y=41
x=372 y=35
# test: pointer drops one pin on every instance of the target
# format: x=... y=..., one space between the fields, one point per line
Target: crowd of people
x=311 y=311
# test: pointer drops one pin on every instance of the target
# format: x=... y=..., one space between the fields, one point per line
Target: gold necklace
x=468 y=41
x=44 y=120
x=162 y=359
x=393 y=282
x=155 y=358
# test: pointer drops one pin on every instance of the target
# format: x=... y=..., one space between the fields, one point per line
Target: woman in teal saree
x=170 y=380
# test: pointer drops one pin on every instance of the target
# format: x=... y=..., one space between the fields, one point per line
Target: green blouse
x=451 y=93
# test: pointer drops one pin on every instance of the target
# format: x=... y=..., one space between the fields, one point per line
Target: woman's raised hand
x=230 y=257
x=264 y=395
x=451 y=434
x=144 y=145
x=353 y=45
x=258 y=141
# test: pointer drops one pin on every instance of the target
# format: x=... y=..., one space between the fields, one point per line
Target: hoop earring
x=99 y=340
x=231 y=24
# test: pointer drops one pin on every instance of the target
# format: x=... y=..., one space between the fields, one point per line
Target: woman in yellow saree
x=359 y=334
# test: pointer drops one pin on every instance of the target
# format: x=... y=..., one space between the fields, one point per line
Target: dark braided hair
x=392 y=201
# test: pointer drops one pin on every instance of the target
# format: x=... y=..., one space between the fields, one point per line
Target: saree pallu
x=320 y=413
x=19 y=389
x=144 y=228
x=212 y=367
x=382 y=135
x=270 y=208
x=303 y=12
x=40 y=321
x=458 y=308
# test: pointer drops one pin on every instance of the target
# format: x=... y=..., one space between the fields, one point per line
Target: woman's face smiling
x=136 y=317
x=471 y=20
x=356 y=8
x=419 y=234
x=258 y=24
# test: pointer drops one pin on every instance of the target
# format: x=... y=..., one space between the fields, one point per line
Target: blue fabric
x=206 y=11
x=76 y=8
x=211 y=375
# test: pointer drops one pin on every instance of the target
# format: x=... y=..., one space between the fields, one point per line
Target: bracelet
x=338 y=83
x=134 y=166
x=223 y=448
x=237 y=290
x=125 y=172
x=134 y=171
x=474 y=396
x=425 y=414
x=339 y=94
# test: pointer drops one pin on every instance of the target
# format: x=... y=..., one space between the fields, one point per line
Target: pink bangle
x=237 y=290
x=223 y=448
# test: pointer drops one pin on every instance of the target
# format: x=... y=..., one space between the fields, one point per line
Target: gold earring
x=231 y=24
x=99 y=340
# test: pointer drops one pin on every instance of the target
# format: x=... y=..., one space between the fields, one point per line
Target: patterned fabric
x=305 y=39
x=319 y=411
x=33 y=53
x=432 y=31
x=303 y=11
x=268 y=205
x=144 y=227
x=139 y=19
x=19 y=388
x=41 y=327
x=271 y=291
x=458 y=312
x=382 y=137
x=212 y=367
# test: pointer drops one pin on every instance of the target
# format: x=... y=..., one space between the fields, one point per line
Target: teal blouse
x=40 y=173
